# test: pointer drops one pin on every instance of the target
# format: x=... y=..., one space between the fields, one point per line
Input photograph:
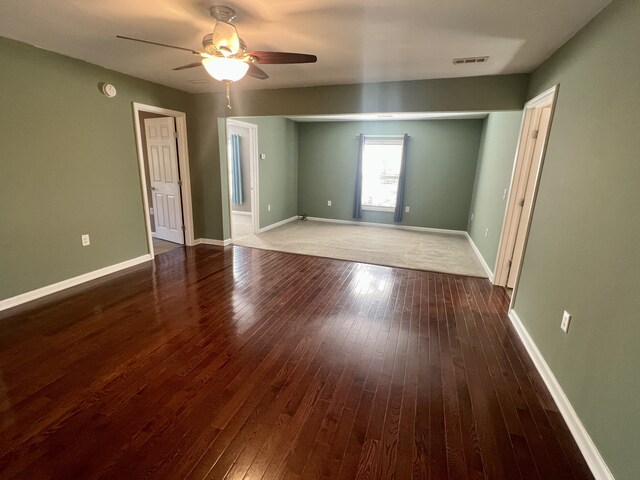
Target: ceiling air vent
x=461 y=61
x=200 y=80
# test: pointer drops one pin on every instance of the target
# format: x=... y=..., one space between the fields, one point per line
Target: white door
x=528 y=165
x=164 y=178
x=529 y=180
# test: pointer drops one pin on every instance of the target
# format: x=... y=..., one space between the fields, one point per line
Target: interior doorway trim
x=511 y=217
x=254 y=168
x=183 y=164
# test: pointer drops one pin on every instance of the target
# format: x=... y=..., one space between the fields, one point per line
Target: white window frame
x=381 y=140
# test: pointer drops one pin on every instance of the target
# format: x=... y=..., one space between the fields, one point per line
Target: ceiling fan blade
x=195 y=52
x=190 y=65
x=282 y=57
x=256 y=72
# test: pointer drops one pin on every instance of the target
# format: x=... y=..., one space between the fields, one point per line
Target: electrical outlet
x=566 y=318
x=328 y=203
x=269 y=208
x=406 y=209
x=486 y=233
x=263 y=156
x=472 y=217
x=85 y=240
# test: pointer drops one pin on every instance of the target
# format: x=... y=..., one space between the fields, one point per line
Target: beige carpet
x=434 y=252
x=241 y=225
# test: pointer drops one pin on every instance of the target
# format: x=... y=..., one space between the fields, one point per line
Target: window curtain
x=397 y=215
x=357 y=197
x=236 y=171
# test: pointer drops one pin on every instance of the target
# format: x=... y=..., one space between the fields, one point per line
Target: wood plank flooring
x=240 y=363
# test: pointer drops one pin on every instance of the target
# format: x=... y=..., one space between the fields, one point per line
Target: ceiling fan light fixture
x=225 y=69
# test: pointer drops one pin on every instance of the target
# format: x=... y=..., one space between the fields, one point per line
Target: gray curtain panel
x=357 y=196
x=397 y=215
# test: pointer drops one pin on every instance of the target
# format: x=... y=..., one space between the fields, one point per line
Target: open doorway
x=534 y=133
x=242 y=156
x=164 y=175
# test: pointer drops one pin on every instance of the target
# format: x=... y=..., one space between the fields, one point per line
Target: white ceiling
x=356 y=41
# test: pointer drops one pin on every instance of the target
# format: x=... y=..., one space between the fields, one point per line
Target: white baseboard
x=486 y=268
x=589 y=450
x=278 y=224
x=211 y=241
x=71 y=282
x=388 y=225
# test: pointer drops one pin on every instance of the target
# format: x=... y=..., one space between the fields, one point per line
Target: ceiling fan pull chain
x=228 y=95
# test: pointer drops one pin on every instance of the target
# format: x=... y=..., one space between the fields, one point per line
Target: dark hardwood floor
x=243 y=363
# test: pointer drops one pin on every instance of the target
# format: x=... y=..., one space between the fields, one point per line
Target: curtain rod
x=383 y=136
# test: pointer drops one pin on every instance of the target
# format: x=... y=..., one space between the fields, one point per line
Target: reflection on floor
x=230 y=363
x=162 y=246
x=241 y=224
x=435 y=252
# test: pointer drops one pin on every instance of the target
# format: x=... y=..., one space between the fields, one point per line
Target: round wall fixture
x=109 y=90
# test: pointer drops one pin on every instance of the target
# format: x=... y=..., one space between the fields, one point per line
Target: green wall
x=278 y=140
x=493 y=176
x=497 y=92
x=504 y=92
x=583 y=253
x=205 y=124
x=441 y=165
x=69 y=166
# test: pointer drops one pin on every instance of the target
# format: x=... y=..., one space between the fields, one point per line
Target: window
x=381 y=160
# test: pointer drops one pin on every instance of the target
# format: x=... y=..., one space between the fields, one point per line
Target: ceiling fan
x=225 y=55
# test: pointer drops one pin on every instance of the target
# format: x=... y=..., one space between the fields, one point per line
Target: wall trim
x=484 y=264
x=589 y=450
x=70 y=282
x=278 y=224
x=388 y=225
x=212 y=241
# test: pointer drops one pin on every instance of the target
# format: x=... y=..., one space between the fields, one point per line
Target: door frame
x=511 y=219
x=183 y=166
x=254 y=168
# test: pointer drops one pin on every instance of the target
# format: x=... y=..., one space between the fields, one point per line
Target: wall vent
x=200 y=80
x=466 y=60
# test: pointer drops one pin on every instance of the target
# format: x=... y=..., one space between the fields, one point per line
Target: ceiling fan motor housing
x=223 y=13
x=209 y=47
